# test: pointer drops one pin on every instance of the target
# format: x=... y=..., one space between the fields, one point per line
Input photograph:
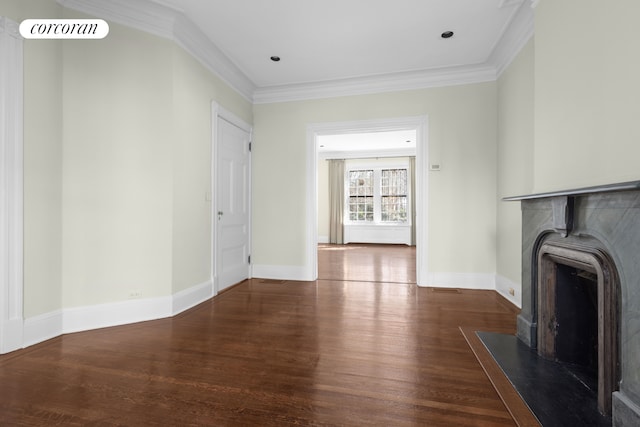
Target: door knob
x=220 y=213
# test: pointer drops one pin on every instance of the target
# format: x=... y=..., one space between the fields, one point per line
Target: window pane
x=361 y=195
x=361 y=208
x=394 y=195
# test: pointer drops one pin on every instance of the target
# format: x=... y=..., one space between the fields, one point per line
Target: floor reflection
x=371 y=263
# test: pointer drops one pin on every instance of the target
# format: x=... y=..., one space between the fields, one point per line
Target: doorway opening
x=387 y=218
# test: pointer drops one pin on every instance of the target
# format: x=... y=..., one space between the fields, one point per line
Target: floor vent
x=446 y=290
x=272 y=281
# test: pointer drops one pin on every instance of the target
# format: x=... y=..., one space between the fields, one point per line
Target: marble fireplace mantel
x=606 y=217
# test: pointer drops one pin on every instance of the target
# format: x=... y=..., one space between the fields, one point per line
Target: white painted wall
x=117 y=169
x=515 y=167
x=462 y=138
x=117 y=174
x=194 y=88
x=586 y=93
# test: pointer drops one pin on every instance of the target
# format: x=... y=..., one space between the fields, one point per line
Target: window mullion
x=377 y=195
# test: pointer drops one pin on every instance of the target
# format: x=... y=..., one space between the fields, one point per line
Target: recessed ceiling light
x=446 y=34
x=275 y=58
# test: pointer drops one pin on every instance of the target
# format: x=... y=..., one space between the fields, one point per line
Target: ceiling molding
x=376 y=84
x=162 y=21
x=171 y=24
x=515 y=36
x=508 y=3
x=513 y=39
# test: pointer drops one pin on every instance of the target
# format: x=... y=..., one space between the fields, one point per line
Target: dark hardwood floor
x=271 y=353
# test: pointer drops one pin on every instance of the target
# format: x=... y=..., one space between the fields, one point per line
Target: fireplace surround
x=591 y=236
x=577 y=292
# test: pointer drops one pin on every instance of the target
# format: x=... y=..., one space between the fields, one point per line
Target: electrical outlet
x=512 y=291
x=135 y=293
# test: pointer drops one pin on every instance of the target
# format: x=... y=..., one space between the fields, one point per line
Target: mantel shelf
x=623 y=186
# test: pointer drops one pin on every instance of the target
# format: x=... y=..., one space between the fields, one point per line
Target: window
x=361 y=195
x=377 y=194
x=393 y=195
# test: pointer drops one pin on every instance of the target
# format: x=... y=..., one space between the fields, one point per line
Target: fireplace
x=581 y=289
x=578 y=313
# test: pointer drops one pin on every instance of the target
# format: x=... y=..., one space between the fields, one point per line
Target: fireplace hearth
x=581 y=289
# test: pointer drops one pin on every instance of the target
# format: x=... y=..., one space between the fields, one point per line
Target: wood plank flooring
x=364 y=262
x=269 y=353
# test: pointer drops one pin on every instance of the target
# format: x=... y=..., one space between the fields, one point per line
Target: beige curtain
x=412 y=177
x=336 y=201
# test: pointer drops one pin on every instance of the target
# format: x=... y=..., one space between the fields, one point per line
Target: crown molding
x=376 y=84
x=513 y=39
x=162 y=21
x=515 y=36
x=10 y=28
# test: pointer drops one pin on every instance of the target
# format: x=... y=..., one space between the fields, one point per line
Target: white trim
x=218 y=112
x=503 y=285
x=419 y=123
x=50 y=325
x=86 y=318
x=282 y=272
x=376 y=84
x=514 y=38
x=42 y=328
x=190 y=297
x=11 y=186
x=365 y=154
x=485 y=281
x=422 y=200
x=162 y=21
x=311 y=234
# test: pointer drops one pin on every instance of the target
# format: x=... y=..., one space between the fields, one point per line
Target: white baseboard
x=114 y=314
x=461 y=280
x=50 y=325
x=191 y=297
x=281 y=272
x=41 y=328
x=12 y=334
x=504 y=285
x=323 y=239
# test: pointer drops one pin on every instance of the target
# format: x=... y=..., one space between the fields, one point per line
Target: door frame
x=11 y=187
x=417 y=123
x=220 y=113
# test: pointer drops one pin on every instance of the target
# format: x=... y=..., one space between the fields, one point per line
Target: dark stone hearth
x=554 y=392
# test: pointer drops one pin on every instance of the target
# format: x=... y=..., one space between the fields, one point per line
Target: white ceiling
x=326 y=41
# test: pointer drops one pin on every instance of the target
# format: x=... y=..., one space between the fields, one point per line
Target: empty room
x=332 y=213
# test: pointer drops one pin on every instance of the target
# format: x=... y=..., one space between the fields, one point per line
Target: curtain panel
x=336 y=201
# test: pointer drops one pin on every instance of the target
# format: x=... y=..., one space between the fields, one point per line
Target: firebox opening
x=576 y=314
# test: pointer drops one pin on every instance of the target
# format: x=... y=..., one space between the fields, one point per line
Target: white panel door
x=232 y=204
